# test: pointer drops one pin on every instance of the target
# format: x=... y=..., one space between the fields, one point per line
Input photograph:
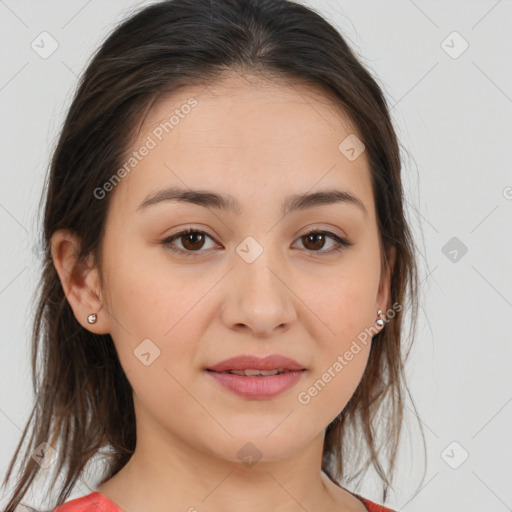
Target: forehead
x=245 y=135
x=223 y=106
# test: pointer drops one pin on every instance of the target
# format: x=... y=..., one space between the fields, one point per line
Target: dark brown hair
x=83 y=399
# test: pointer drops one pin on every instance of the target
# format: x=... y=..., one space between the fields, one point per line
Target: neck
x=159 y=477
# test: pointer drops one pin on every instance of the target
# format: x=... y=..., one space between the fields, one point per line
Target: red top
x=96 y=501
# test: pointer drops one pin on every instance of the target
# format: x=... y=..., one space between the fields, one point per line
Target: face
x=246 y=281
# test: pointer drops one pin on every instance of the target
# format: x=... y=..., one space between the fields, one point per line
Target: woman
x=227 y=260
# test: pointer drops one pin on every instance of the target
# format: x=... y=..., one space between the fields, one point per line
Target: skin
x=259 y=141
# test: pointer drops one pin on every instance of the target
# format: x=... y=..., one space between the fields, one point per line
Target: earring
x=380 y=322
x=92 y=318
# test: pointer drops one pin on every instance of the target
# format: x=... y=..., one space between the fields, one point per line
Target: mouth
x=253 y=384
x=254 y=365
x=257 y=378
x=256 y=373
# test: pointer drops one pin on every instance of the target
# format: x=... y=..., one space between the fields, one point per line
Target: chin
x=254 y=446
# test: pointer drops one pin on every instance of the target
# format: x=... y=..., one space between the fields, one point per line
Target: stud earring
x=92 y=318
x=379 y=321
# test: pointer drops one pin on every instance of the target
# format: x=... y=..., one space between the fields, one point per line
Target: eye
x=193 y=240
x=316 y=240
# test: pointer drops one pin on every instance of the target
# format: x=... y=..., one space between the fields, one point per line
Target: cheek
x=344 y=313
x=327 y=393
x=155 y=302
x=344 y=306
x=342 y=349
x=148 y=292
x=348 y=309
x=159 y=338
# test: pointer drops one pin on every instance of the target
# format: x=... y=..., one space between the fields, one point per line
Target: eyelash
x=342 y=243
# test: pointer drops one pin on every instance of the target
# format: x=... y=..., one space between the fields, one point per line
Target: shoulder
x=374 y=507
x=90 y=503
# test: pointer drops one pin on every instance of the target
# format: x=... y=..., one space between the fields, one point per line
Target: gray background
x=453 y=117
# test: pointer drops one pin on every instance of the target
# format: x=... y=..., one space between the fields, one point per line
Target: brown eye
x=192 y=241
x=314 y=241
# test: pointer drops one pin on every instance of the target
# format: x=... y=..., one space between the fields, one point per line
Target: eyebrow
x=228 y=203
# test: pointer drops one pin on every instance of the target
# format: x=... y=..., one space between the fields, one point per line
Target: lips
x=254 y=378
x=253 y=366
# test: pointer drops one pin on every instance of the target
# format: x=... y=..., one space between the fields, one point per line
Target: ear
x=385 y=282
x=80 y=281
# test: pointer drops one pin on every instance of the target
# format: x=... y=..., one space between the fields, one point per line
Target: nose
x=258 y=298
